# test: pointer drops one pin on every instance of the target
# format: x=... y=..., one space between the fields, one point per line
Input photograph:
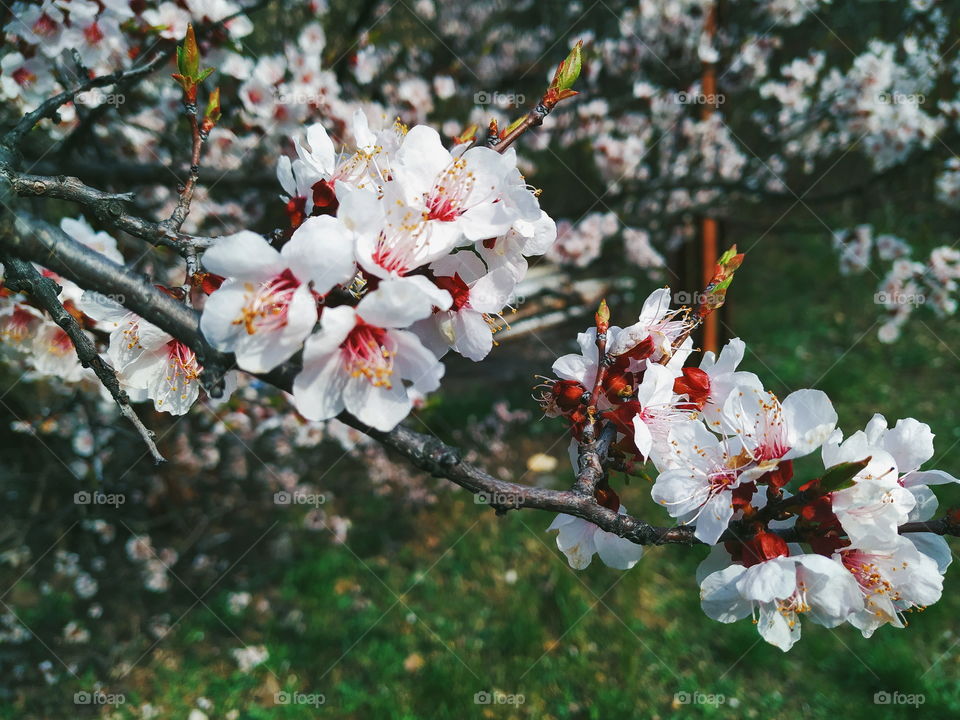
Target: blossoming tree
x=398 y=248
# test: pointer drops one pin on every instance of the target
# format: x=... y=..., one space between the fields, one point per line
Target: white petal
x=399 y=302
x=777 y=629
x=318 y=388
x=321 y=155
x=720 y=598
x=810 y=419
x=927 y=477
x=910 y=442
x=616 y=552
x=221 y=309
x=575 y=540
x=575 y=367
x=285 y=176
x=474 y=338
x=934 y=547
x=770 y=580
x=714 y=518
x=321 y=250
x=493 y=291
x=244 y=255
x=642 y=437
x=420 y=159
x=416 y=363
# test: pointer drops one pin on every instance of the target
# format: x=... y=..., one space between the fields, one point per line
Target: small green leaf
x=840 y=477
x=569 y=70
x=188 y=55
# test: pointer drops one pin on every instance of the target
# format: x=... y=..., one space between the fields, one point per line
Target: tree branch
x=39 y=242
x=21 y=276
x=107 y=207
x=49 y=107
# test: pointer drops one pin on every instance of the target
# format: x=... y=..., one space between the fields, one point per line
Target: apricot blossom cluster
x=721 y=450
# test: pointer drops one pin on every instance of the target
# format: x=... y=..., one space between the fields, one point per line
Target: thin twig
x=180 y=212
x=32 y=239
x=21 y=276
x=49 y=107
x=107 y=207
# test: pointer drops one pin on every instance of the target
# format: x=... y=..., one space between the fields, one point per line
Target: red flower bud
x=607 y=497
x=695 y=384
x=567 y=394
x=763 y=546
x=780 y=476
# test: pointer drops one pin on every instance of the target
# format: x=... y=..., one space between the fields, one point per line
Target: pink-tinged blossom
x=167 y=371
x=876 y=504
x=478 y=298
x=361 y=361
x=698 y=486
x=724 y=377
x=770 y=431
x=659 y=412
x=52 y=353
x=657 y=321
x=782 y=591
x=892 y=489
x=893 y=581
x=18 y=324
x=150 y=363
x=266 y=308
x=464 y=195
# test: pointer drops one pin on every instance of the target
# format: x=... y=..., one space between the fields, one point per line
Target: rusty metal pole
x=710 y=230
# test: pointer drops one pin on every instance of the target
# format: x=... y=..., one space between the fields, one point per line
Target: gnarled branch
x=21 y=276
x=32 y=239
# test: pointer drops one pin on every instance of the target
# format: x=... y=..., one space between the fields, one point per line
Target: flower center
x=366 y=353
x=449 y=195
x=182 y=361
x=864 y=569
x=60 y=343
x=45 y=25
x=402 y=245
x=456 y=287
x=93 y=33
x=23 y=77
x=17 y=326
x=267 y=307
